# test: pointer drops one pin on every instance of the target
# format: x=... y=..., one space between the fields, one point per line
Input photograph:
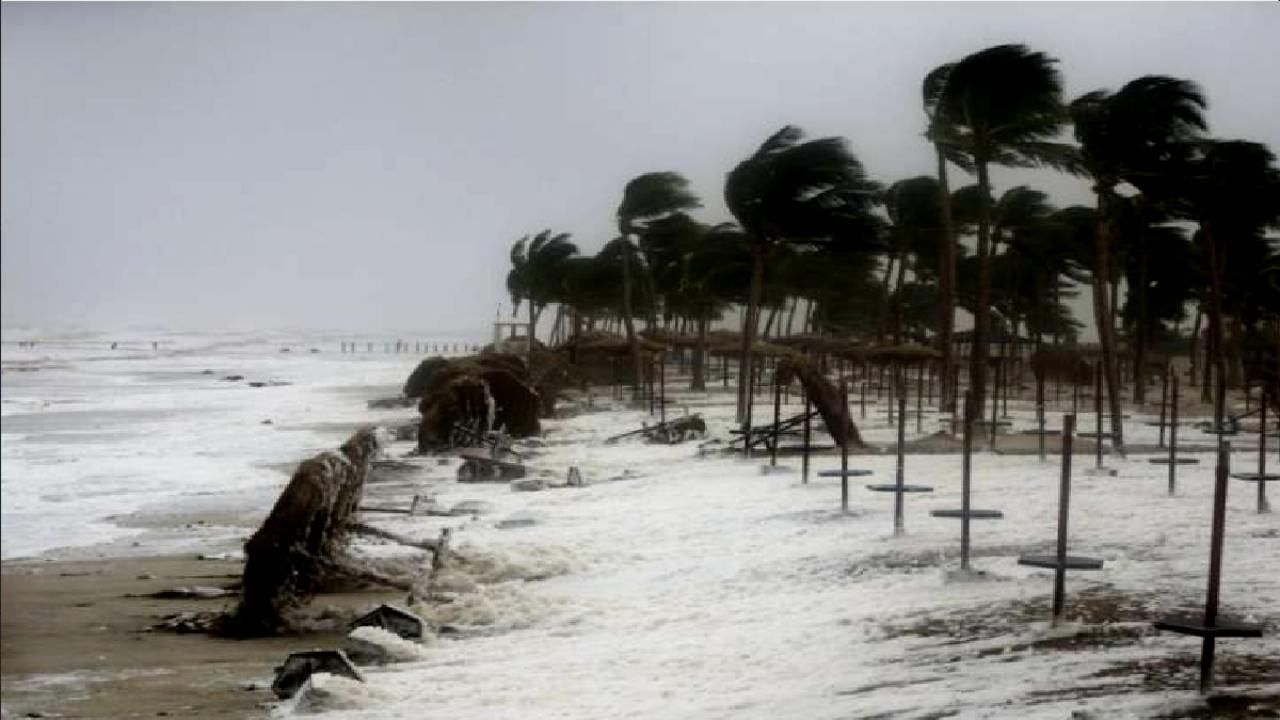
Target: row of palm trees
x=811 y=227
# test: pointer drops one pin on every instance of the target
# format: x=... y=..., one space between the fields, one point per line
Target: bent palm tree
x=535 y=275
x=1139 y=135
x=999 y=106
x=789 y=191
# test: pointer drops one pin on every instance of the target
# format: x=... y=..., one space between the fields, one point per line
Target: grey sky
x=367 y=166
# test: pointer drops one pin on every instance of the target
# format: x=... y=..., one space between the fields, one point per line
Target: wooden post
x=1064 y=511
x=1173 y=433
x=1040 y=413
x=662 y=390
x=777 y=419
x=1215 y=564
x=1097 y=408
x=863 y=398
x=995 y=405
x=1164 y=399
x=1262 y=453
x=804 y=458
x=844 y=453
x=964 y=480
x=902 y=435
x=920 y=399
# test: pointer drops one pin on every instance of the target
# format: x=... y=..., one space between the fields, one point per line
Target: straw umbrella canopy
x=904 y=354
x=602 y=343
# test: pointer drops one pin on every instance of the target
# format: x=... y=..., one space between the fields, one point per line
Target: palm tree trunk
x=1194 y=350
x=1102 y=317
x=1140 y=340
x=1215 y=331
x=768 y=323
x=630 y=324
x=981 y=314
x=533 y=324
x=897 y=300
x=946 y=287
x=699 y=356
x=749 y=332
x=881 y=325
x=791 y=316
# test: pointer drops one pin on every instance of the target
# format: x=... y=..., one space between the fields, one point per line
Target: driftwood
x=824 y=396
x=670 y=432
x=303 y=539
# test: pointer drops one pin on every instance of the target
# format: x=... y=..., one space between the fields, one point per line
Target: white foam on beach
x=702 y=588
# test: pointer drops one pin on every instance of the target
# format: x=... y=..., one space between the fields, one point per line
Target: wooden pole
x=1262 y=453
x=1064 y=505
x=920 y=399
x=1097 y=413
x=777 y=419
x=1040 y=413
x=804 y=458
x=1173 y=434
x=844 y=453
x=902 y=435
x=1164 y=399
x=966 y=464
x=1215 y=565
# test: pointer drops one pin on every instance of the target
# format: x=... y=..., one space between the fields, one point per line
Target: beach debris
x=517 y=520
x=475 y=394
x=393 y=619
x=202 y=592
x=529 y=485
x=471 y=507
x=233 y=378
x=574 y=478
x=371 y=645
x=300 y=666
x=670 y=432
x=480 y=465
x=302 y=544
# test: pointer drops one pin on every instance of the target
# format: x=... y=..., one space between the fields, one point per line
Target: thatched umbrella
x=901 y=354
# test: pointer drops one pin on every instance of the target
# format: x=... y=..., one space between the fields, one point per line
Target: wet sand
x=76 y=644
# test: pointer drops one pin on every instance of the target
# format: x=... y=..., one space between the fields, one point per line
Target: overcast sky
x=367 y=166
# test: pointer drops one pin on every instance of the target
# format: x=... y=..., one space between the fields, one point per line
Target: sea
x=106 y=436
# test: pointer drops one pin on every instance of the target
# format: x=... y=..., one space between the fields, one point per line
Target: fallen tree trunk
x=300 y=542
x=825 y=396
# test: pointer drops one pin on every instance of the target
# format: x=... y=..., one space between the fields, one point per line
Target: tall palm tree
x=914 y=211
x=790 y=191
x=535 y=276
x=940 y=135
x=1139 y=135
x=1233 y=193
x=1003 y=106
x=646 y=198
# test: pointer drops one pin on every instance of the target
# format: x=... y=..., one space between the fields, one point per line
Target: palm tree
x=1001 y=105
x=1138 y=135
x=535 y=275
x=914 y=211
x=790 y=191
x=940 y=134
x=646 y=198
x=1233 y=193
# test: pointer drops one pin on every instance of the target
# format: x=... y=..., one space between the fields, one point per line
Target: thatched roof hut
x=901 y=354
x=724 y=342
x=603 y=343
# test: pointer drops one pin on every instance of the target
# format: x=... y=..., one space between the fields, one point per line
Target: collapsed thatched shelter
x=480 y=392
x=825 y=396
